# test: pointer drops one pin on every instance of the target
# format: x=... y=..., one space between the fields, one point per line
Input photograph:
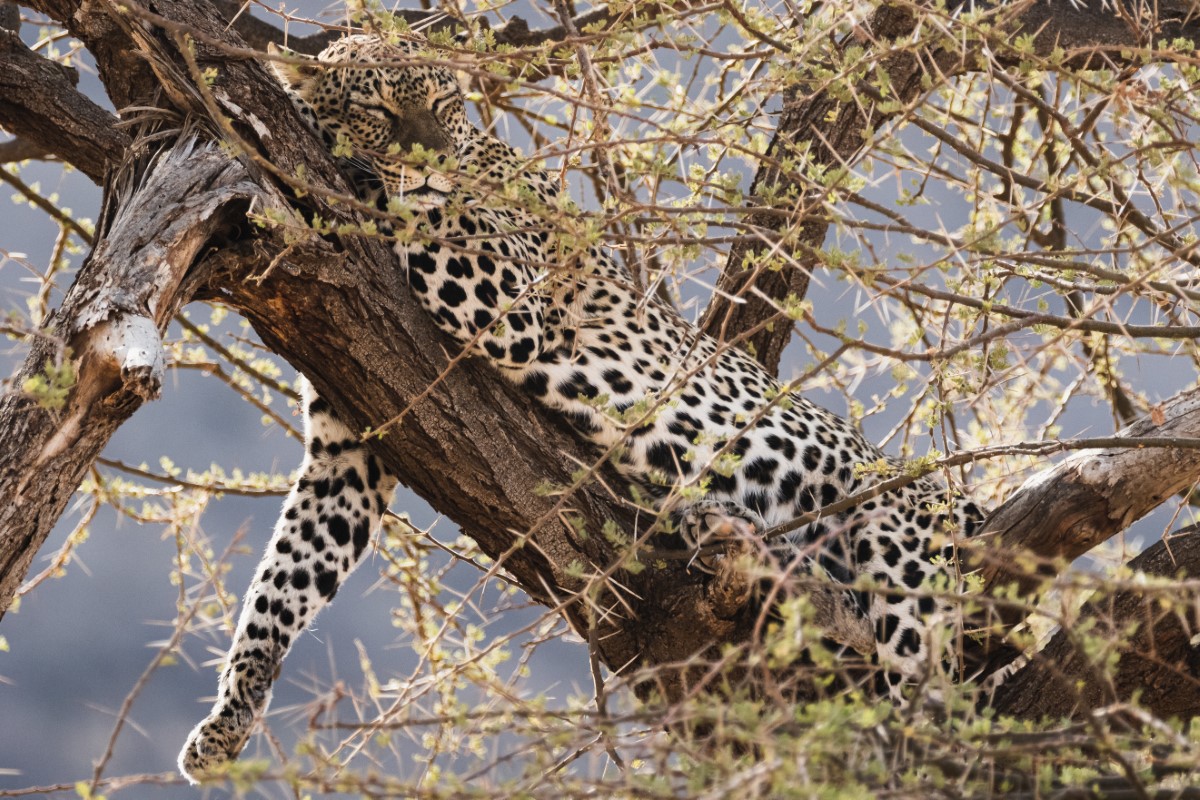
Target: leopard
x=488 y=258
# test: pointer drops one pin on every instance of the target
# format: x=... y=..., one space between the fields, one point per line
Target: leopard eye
x=441 y=102
x=373 y=111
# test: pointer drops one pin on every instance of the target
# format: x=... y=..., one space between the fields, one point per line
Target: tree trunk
x=336 y=308
x=155 y=226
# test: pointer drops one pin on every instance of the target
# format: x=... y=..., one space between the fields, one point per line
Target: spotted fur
x=568 y=328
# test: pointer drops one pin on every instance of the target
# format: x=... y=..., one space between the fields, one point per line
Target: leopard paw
x=217 y=740
x=716 y=523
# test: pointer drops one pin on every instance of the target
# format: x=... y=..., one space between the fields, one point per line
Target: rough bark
x=335 y=308
x=1158 y=662
x=39 y=103
x=128 y=78
x=1095 y=36
x=10 y=16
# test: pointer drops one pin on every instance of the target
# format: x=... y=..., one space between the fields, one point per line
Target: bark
x=10 y=16
x=1099 y=35
x=336 y=308
x=128 y=78
x=39 y=103
x=1158 y=662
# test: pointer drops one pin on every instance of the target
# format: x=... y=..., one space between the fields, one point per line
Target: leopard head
x=384 y=107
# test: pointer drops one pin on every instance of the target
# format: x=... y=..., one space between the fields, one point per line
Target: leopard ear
x=466 y=38
x=294 y=72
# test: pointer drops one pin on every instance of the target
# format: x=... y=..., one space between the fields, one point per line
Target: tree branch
x=39 y=104
x=1087 y=498
x=1100 y=35
x=10 y=16
x=127 y=77
x=826 y=132
x=515 y=32
x=258 y=33
x=1159 y=662
x=21 y=150
x=818 y=129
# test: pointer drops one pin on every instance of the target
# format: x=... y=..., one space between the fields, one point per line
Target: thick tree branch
x=751 y=288
x=10 y=16
x=1098 y=35
x=337 y=309
x=39 y=103
x=127 y=77
x=1160 y=661
x=1090 y=496
x=342 y=297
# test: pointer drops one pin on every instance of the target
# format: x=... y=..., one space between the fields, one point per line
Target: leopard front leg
x=906 y=551
x=713 y=522
x=319 y=539
x=737 y=529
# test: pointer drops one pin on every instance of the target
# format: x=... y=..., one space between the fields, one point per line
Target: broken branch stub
x=102 y=352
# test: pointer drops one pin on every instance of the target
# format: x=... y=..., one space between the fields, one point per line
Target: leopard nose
x=420 y=127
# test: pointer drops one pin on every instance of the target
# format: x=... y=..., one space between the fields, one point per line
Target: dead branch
x=1087 y=498
x=108 y=329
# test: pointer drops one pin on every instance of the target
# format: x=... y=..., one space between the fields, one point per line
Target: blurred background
x=73 y=651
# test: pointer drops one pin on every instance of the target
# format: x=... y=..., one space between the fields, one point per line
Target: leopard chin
x=423 y=198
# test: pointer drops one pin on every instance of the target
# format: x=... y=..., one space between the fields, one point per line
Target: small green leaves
x=342 y=147
x=83 y=790
x=50 y=387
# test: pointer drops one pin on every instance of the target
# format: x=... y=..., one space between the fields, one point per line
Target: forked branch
x=337 y=309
